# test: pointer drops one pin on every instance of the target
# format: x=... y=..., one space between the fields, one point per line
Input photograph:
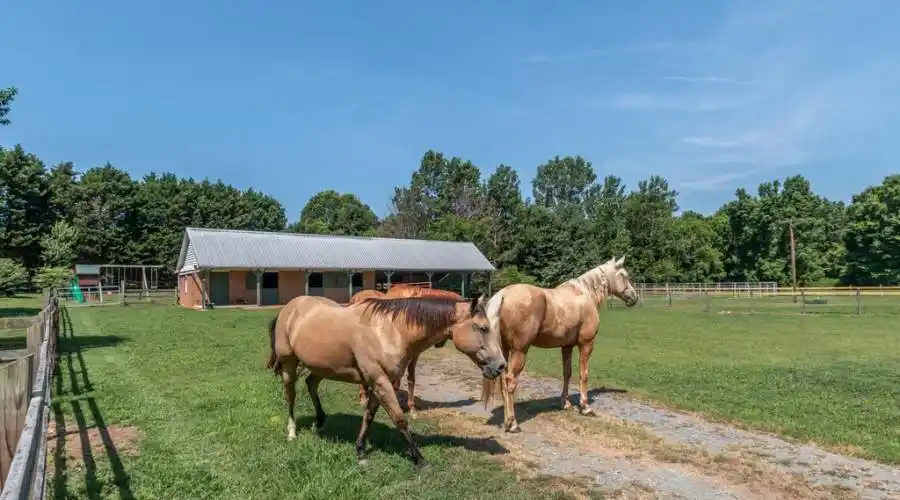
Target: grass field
x=174 y=403
x=19 y=306
x=822 y=376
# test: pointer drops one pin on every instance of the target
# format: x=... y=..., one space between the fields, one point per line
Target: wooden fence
x=25 y=389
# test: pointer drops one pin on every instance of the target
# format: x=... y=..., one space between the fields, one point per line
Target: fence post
x=669 y=295
x=802 y=301
x=858 y=301
x=122 y=293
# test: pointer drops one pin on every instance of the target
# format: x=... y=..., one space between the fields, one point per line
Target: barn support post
x=350 y=284
x=259 y=275
x=430 y=276
x=306 y=274
x=389 y=275
x=204 y=288
x=463 y=284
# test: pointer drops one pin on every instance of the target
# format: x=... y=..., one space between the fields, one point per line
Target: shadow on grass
x=529 y=409
x=15 y=312
x=344 y=427
x=70 y=346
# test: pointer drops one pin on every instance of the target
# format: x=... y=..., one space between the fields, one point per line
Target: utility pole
x=790 y=222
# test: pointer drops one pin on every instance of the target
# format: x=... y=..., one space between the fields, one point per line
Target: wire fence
x=766 y=298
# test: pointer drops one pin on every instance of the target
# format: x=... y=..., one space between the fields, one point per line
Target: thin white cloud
x=708 y=142
x=647 y=101
x=819 y=89
x=638 y=48
x=715 y=182
x=703 y=79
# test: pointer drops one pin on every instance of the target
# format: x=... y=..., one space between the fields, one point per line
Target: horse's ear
x=620 y=262
x=473 y=306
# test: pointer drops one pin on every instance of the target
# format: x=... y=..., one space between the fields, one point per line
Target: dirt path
x=633 y=450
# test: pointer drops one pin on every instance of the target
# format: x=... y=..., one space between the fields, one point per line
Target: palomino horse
x=398 y=291
x=370 y=343
x=561 y=317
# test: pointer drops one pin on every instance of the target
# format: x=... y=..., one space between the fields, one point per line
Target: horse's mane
x=432 y=313
x=415 y=291
x=593 y=282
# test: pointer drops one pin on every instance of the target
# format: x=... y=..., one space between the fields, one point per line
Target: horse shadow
x=424 y=404
x=531 y=408
x=343 y=427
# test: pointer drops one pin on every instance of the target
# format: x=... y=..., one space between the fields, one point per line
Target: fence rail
x=25 y=388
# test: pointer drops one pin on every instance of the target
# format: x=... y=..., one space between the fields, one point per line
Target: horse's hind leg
x=289 y=383
x=312 y=385
x=411 y=387
x=584 y=355
x=372 y=406
x=567 y=376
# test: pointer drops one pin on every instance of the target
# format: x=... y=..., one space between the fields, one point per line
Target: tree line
x=52 y=217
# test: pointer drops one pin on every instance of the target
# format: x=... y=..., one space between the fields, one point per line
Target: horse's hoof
x=587 y=410
x=514 y=429
x=291 y=437
x=423 y=465
x=413 y=414
x=362 y=462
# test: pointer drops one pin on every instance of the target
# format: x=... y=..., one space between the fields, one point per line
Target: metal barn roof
x=223 y=249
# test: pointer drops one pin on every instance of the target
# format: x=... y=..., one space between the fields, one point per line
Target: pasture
x=13 y=310
x=827 y=375
x=165 y=402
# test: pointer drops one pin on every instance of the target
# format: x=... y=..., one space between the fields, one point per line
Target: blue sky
x=295 y=97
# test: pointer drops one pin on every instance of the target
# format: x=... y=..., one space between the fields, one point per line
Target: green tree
x=329 y=212
x=505 y=210
x=53 y=277
x=7 y=96
x=872 y=237
x=567 y=182
x=13 y=277
x=60 y=245
x=23 y=206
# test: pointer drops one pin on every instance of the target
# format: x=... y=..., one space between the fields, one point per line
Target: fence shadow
x=82 y=409
x=15 y=312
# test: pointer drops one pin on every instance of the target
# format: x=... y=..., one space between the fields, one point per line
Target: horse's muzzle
x=493 y=369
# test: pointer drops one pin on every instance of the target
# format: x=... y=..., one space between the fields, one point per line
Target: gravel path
x=638 y=451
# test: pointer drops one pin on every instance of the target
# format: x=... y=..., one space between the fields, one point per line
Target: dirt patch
x=111 y=440
x=633 y=450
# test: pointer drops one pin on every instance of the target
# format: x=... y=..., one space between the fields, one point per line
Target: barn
x=239 y=268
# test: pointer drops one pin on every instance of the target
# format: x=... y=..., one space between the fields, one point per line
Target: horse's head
x=619 y=281
x=473 y=337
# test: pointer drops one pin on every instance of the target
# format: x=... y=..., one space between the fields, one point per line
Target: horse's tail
x=274 y=364
x=488 y=388
x=492 y=311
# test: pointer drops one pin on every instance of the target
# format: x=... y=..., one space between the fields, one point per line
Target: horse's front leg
x=382 y=389
x=584 y=355
x=510 y=383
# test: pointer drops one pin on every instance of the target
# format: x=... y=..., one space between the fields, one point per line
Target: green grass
x=14 y=308
x=214 y=422
x=823 y=376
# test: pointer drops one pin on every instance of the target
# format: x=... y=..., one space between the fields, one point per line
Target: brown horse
x=403 y=290
x=370 y=343
x=561 y=317
x=363 y=295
